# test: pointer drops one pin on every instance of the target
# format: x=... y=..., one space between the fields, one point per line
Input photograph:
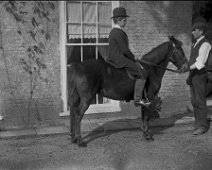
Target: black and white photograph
x=105 y=85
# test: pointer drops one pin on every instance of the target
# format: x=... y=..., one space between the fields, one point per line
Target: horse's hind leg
x=83 y=106
x=72 y=124
x=74 y=102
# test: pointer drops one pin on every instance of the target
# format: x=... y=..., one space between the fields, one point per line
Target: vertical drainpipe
x=1 y=116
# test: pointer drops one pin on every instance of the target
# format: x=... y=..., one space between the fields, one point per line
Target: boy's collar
x=117 y=26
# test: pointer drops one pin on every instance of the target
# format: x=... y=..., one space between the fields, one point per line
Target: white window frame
x=113 y=106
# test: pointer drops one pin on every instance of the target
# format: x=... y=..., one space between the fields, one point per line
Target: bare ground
x=174 y=148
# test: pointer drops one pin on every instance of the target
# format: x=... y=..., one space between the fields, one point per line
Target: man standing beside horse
x=197 y=79
x=121 y=57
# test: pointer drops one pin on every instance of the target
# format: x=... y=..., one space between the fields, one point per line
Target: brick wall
x=149 y=24
x=18 y=106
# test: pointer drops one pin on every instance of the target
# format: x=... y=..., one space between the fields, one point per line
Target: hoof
x=82 y=144
x=74 y=140
x=148 y=137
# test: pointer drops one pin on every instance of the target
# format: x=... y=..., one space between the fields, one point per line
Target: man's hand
x=185 y=68
x=188 y=80
x=209 y=73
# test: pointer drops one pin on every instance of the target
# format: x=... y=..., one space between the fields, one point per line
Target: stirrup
x=142 y=103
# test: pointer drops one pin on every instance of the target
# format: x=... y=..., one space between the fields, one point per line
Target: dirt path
x=174 y=148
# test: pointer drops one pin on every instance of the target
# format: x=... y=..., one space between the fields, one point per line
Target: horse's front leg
x=145 y=125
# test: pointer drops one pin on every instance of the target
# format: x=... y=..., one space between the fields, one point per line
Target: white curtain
x=87 y=13
x=104 y=19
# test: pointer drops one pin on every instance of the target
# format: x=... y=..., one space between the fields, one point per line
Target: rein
x=155 y=65
x=164 y=68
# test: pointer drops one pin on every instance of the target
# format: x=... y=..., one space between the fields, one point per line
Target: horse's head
x=177 y=57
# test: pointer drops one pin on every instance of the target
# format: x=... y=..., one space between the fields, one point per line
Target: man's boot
x=138 y=93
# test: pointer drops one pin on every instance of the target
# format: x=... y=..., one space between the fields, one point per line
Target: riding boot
x=138 y=93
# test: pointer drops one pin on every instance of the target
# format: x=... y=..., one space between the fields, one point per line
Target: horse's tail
x=73 y=97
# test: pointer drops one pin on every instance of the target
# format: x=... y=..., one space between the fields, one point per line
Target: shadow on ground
x=157 y=126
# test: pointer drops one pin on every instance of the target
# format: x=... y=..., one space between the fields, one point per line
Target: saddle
x=130 y=75
x=141 y=70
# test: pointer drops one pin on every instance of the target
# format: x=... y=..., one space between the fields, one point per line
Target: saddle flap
x=130 y=75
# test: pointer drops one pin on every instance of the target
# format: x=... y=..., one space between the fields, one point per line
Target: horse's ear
x=176 y=42
x=171 y=37
x=172 y=40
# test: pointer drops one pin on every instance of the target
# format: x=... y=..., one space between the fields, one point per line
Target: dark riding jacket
x=119 y=52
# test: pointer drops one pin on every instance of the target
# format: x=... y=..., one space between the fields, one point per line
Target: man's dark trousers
x=198 y=87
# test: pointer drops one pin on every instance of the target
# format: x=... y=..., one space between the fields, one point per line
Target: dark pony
x=91 y=77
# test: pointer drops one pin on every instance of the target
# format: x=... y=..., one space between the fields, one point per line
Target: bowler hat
x=199 y=23
x=119 y=12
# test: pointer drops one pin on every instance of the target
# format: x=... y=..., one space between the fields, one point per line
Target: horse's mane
x=158 y=50
x=155 y=54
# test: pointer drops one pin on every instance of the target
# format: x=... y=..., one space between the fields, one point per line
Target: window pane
x=89 y=52
x=73 y=54
x=74 y=33
x=74 y=22
x=89 y=12
x=73 y=12
x=89 y=32
x=104 y=22
x=89 y=16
